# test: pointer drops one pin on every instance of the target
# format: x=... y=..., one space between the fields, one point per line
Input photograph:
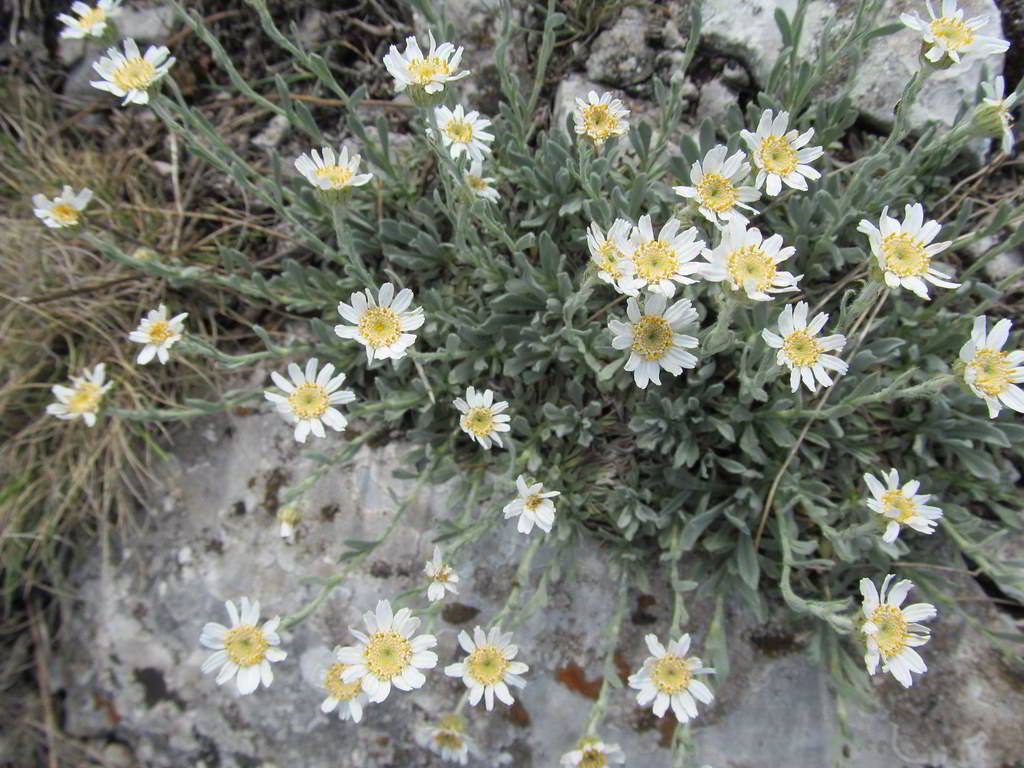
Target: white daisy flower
x=593 y=753
x=905 y=251
x=600 y=118
x=607 y=251
x=64 y=210
x=533 y=507
x=329 y=172
x=948 y=37
x=309 y=399
x=131 y=74
x=243 y=648
x=482 y=418
x=91 y=21
x=381 y=324
x=389 y=654
x=82 y=398
x=993 y=375
x=442 y=577
x=288 y=516
x=653 y=338
x=748 y=262
x=658 y=264
x=993 y=116
x=479 y=184
x=488 y=669
x=428 y=73
x=448 y=739
x=347 y=698
x=900 y=506
x=718 y=191
x=158 y=334
x=780 y=156
x=806 y=356
x=463 y=133
x=668 y=678
x=891 y=633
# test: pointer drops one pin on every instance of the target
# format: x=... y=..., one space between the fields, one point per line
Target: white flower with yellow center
x=599 y=119
x=463 y=133
x=130 y=74
x=748 y=262
x=479 y=184
x=594 y=753
x=905 y=251
x=653 y=338
x=993 y=375
x=718 y=189
x=309 y=399
x=347 y=698
x=448 y=739
x=428 y=73
x=949 y=37
x=330 y=172
x=802 y=351
x=382 y=324
x=608 y=251
x=659 y=263
x=82 y=399
x=91 y=21
x=389 y=655
x=781 y=157
x=64 y=210
x=668 y=677
x=158 y=334
x=482 y=418
x=488 y=670
x=442 y=577
x=900 y=506
x=993 y=114
x=533 y=506
x=891 y=633
x=243 y=649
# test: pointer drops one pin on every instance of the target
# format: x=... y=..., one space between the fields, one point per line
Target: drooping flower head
x=993 y=375
x=331 y=173
x=488 y=669
x=464 y=132
x=347 y=698
x=900 y=506
x=533 y=506
x=82 y=399
x=668 y=678
x=745 y=261
x=482 y=418
x=158 y=334
x=448 y=738
x=781 y=157
x=594 y=753
x=64 y=210
x=243 y=649
x=479 y=185
x=130 y=74
x=659 y=263
x=948 y=37
x=381 y=324
x=718 y=186
x=599 y=119
x=608 y=251
x=91 y=21
x=310 y=398
x=654 y=338
x=802 y=351
x=992 y=117
x=442 y=577
x=424 y=74
x=891 y=633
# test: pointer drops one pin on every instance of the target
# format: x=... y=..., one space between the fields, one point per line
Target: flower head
x=891 y=633
x=532 y=507
x=904 y=251
x=448 y=738
x=781 y=157
x=63 y=210
x=347 y=698
x=801 y=351
x=82 y=398
x=718 y=189
x=131 y=74
x=488 y=669
x=382 y=324
x=427 y=74
x=389 y=654
x=668 y=678
x=600 y=118
x=442 y=577
x=659 y=263
x=744 y=260
x=91 y=21
x=948 y=37
x=482 y=418
x=653 y=338
x=463 y=132
x=993 y=375
x=288 y=516
x=992 y=117
x=309 y=398
x=478 y=184
x=900 y=506
x=593 y=753
x=158 y=334
x=331 y=173
x=608 y=251
x=243 y=648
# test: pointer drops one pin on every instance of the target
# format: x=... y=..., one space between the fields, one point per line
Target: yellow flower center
x=308 y=401
x=608 y=259
x=159 y=331
x=953 y=32
x=448 y=739
x=380 y=326
x=245 y=645
x=892 y=629
x=443 y=574
x=459 y=131
x=904 y=255
x=533 y=501
x=425 y=71
x=598 y=122
x=652 y=337
x=593 y=758
x=476 y=183
x=134 y=74
x=85 y=398
x=992 y=371
x=750 y=263
x=671 y=674
x=479 y=421
x=655 y=261
x=336 y=687
x=338 y=176
x=776 y=155
x=716 y=192
x=487 y=665
x=64 y=213
x=801 y=348
x=387 y=654
x=898 y=502
x=92 y=17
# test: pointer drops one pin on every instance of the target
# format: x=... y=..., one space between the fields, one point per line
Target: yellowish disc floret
x=337 y=176
x=134 y=74
x=802 y=348
x=387 y=654
x=245 y=645
x=953 y=32
x=993 y=371
x=751 y=263
x=426 y=70
x=892 y=629
x=308 y=401
x=905 y=255
x=671 y=674
x=897 y=501
x=380 y=326
x=487 y=665
x=480 y=421
x=655 y=261
x=776 y=155
x=652 y=337
x=65 y=214
x=336 y=687
x=459 y=130
x=593 y=758
x=598 y=122
x=717 y=192
x=85 y=398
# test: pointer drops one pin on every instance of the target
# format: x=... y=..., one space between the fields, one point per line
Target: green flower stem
x=894 y=391
x=910 y=94
x=522 y=577
x=355 y=264
x=863 y=304
x=200 y=408
x=198 y=345
x=608 y=674
x=718 y=337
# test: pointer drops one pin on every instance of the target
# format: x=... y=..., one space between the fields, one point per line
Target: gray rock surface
x=621 y=56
